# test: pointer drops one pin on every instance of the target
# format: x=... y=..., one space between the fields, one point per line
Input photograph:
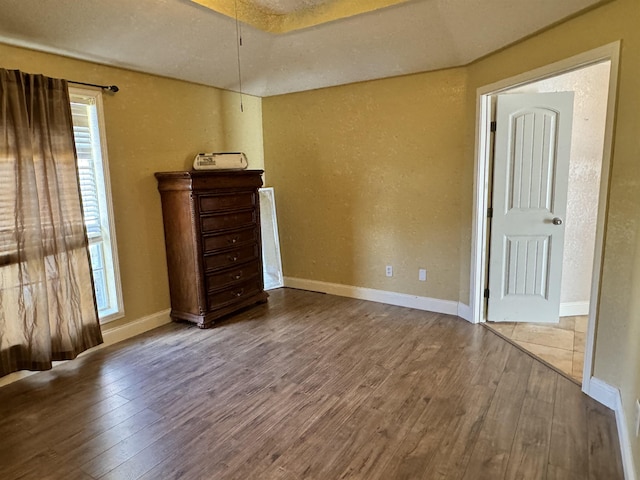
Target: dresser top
x=198 y=180
x=206 y=173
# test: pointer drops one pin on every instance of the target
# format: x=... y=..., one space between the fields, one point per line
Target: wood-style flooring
x=308 y=386
x=560 y=344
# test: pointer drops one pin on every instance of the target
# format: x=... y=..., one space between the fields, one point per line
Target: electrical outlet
x=422 y=274
x=637 y=417
x=389 y=271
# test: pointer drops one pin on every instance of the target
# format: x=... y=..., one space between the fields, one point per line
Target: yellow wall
x=618 y=331
x=152 y=124
x=382 y=173
x=367 y=175
x=392 y=129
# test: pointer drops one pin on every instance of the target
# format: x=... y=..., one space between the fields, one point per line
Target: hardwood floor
x=561 y=345
x=308 y=386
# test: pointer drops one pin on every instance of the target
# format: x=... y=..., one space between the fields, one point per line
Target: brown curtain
x=47 y=305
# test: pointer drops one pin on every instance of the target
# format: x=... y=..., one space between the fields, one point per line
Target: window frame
x=110 y=242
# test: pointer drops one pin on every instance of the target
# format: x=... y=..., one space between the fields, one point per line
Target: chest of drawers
x=212 y=236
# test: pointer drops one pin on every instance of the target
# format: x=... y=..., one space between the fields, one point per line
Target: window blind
x=8 y=239
x=86 y=134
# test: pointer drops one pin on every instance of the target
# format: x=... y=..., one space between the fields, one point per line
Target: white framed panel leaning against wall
x=271 y=259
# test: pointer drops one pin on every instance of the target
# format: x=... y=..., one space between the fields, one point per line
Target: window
x=93 y=172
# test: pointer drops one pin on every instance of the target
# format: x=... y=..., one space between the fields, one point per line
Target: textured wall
x=591 y=88
x=152 y=124
x=351 y=198
x=370 y=174
x=367 y=175
x=616 y=356
x=242 y=129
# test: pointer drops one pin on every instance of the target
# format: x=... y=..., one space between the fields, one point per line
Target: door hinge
x=494 y=126
x=486 y=293
x=490 y=212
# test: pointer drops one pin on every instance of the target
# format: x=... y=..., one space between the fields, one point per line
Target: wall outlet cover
x=422 y=274
x=389 y=271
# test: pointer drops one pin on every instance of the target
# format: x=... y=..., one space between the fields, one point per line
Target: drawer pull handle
x=239 y=292
x=237 y=276
x=232 y=258
x=233 y=239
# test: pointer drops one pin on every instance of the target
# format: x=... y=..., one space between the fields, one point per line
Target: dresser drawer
x=215 y=242
x=217 y=202
x=241 y=273
x=228 y=258
x=234 y=293
x=212 y=223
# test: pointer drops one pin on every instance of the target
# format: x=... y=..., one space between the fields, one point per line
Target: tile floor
x=561 y=344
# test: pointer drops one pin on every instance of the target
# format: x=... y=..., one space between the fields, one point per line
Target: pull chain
x=238 y=45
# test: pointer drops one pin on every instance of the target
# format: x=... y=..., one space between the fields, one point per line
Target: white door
x=531 y=173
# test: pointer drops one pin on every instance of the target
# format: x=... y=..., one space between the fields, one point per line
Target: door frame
x=479 y=251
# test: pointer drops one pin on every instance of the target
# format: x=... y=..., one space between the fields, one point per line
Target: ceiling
x=282 y=16
x=283 y=7
x=185 y=40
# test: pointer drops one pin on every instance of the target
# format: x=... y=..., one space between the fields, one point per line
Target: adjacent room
x=322 y=239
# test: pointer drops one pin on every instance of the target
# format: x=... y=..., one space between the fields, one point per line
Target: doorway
x=592 y=78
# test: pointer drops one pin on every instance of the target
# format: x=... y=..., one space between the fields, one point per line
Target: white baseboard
x=574 y=309
x=610 y=397
x=131 y=329
x=464 y=312
x=110 y=336
x=381 y=296
x=14 y=377
x=603 y=392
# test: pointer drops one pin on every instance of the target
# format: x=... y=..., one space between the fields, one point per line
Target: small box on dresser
x=212 y=236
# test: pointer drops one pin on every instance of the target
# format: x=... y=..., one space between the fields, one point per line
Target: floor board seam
x=535 y=357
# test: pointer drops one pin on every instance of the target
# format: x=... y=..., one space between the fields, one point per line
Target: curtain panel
x=47 y=305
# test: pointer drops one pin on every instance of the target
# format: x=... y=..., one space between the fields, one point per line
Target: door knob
x=557 y=221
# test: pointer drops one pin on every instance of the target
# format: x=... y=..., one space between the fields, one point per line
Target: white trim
x=574 y=309
x=113 y=273
x=14 y=377
x=609 y=52
x=110 y=336
x=381 y=296
x=481 y=203
x=598 y=257
x=610 y=397
x=131 y=329
x=113 y=241
x=464 y=312
x=603 y=393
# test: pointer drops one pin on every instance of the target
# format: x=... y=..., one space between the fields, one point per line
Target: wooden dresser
x=212 y=234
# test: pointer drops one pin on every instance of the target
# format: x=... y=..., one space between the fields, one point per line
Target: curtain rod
x=109 y=88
